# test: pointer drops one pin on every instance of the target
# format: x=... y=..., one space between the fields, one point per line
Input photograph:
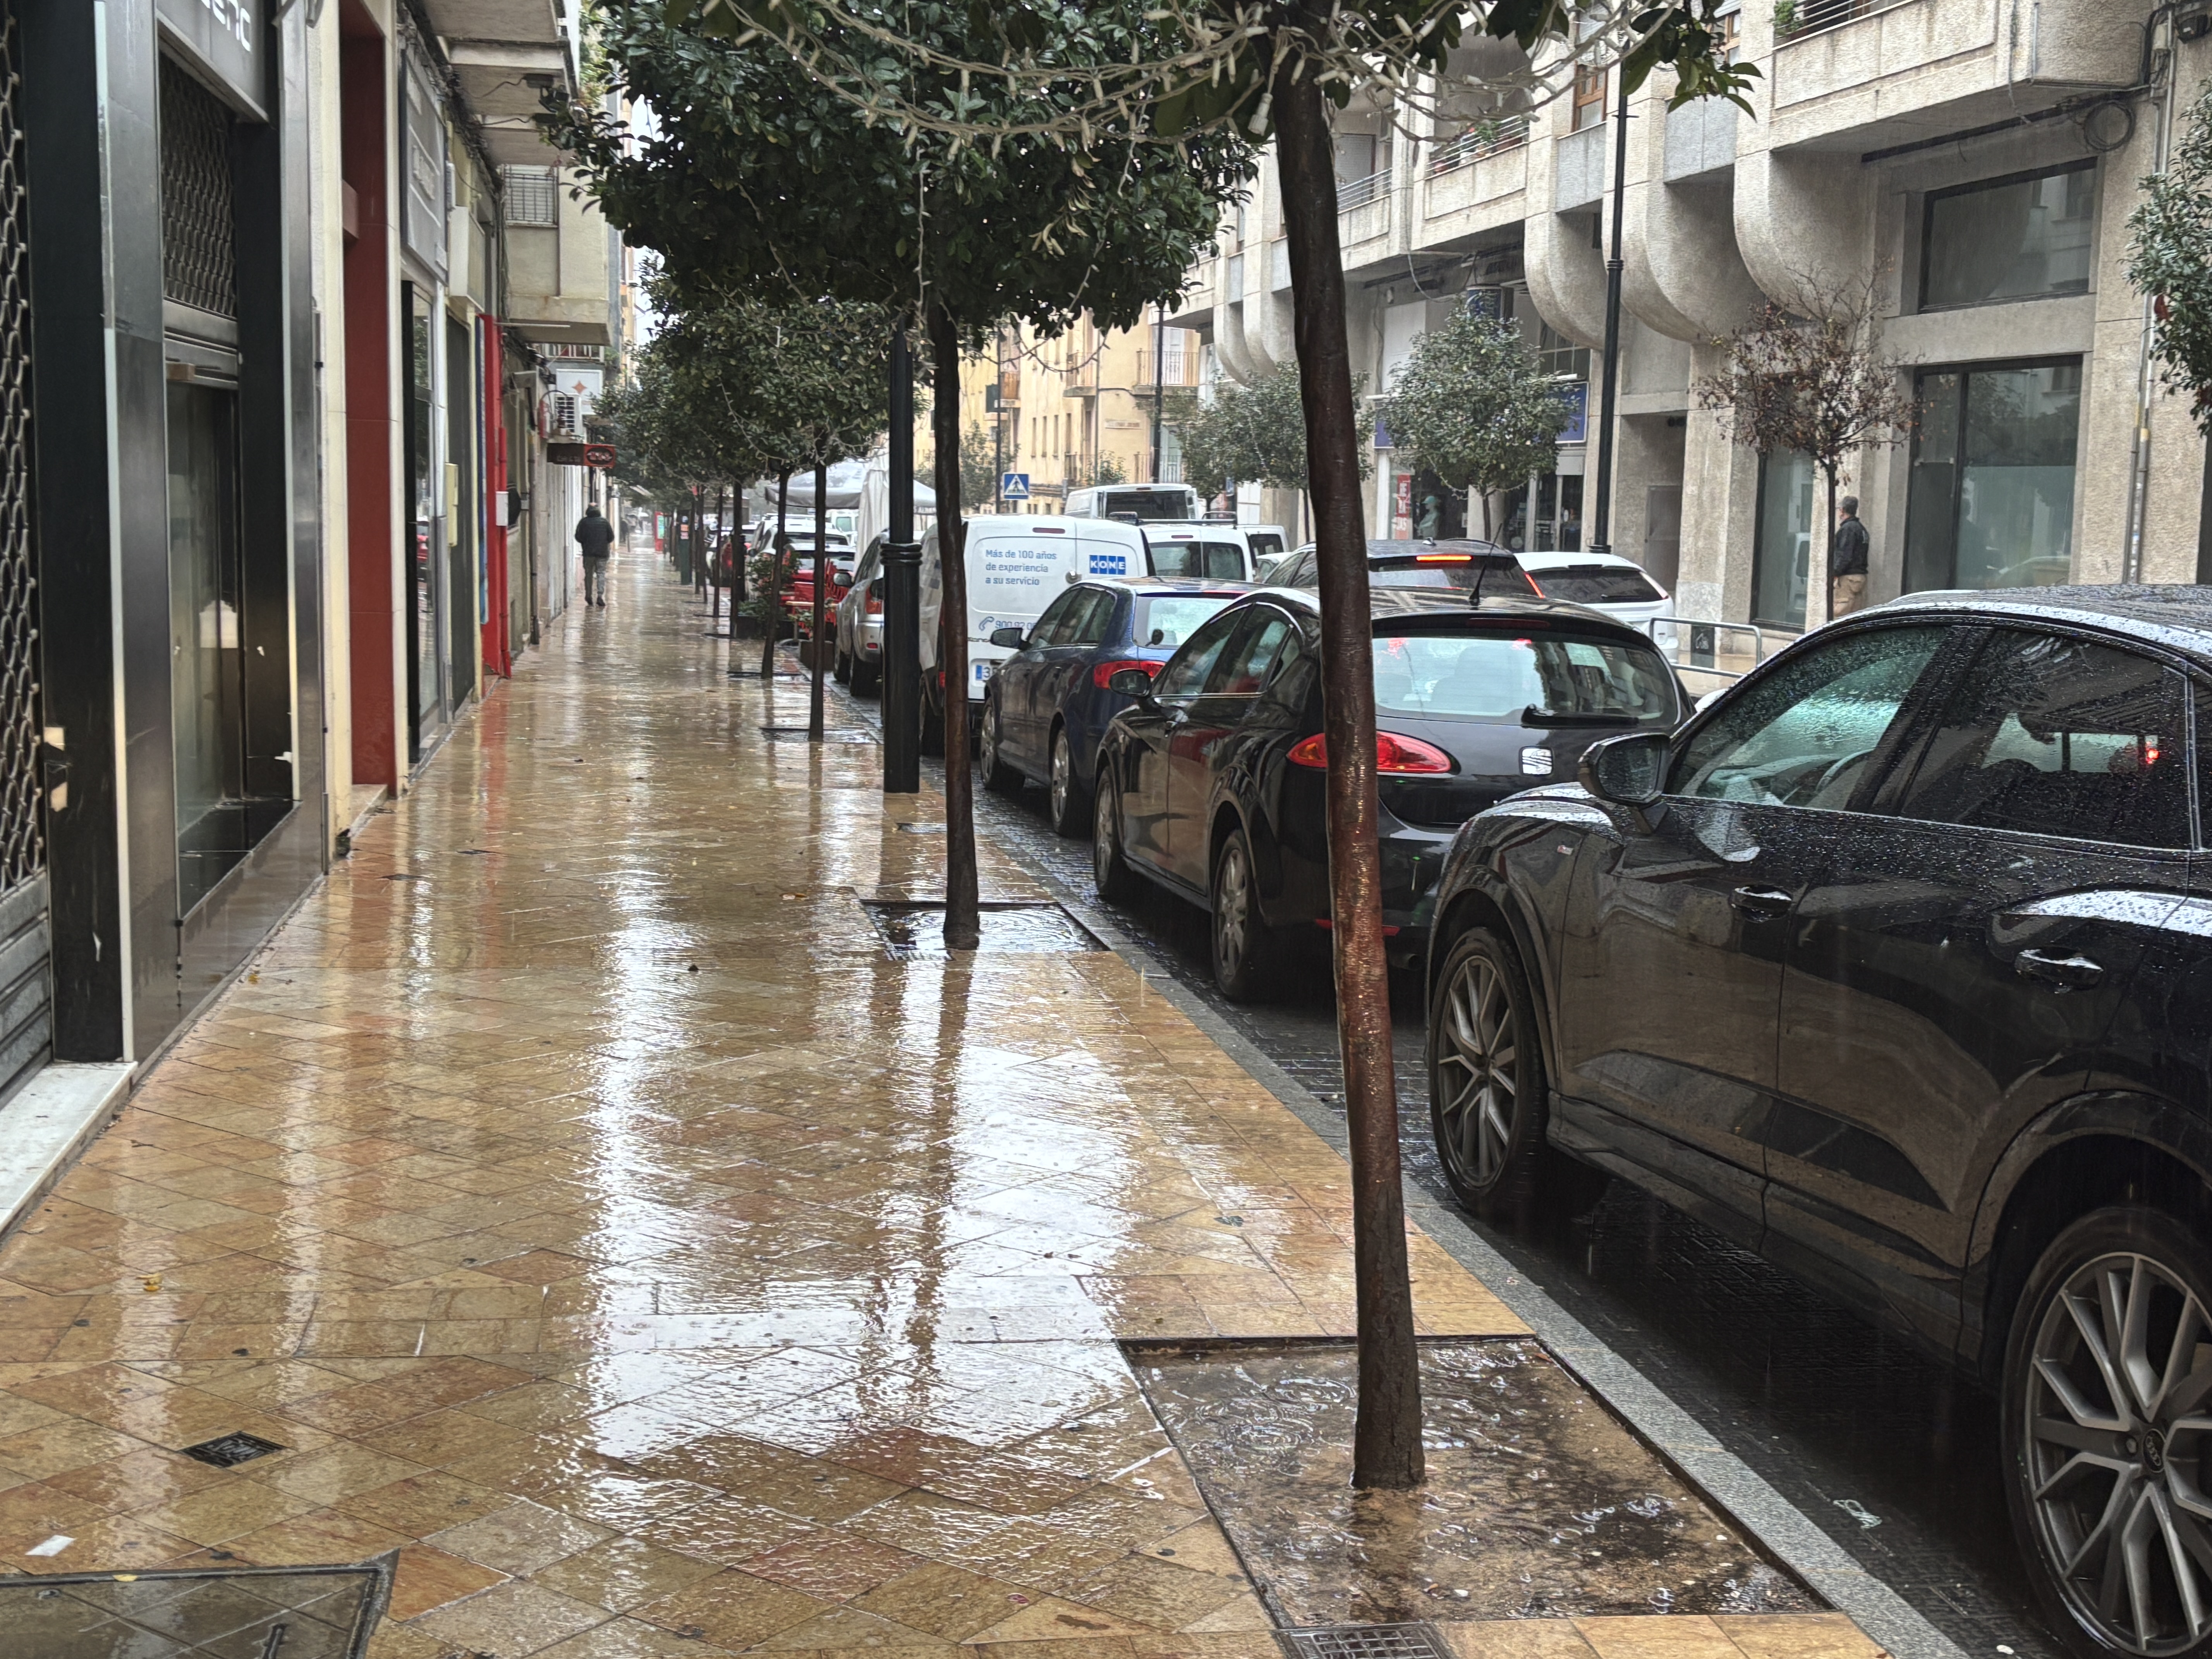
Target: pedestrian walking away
x=596 y=536
x=1847 y=560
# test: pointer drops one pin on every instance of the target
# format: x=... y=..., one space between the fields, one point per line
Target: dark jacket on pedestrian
x=1847 y=556
x=595 y=534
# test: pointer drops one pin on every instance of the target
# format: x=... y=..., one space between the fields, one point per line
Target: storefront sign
x=223 y=39
x=1578 y=400
x=597 y=455
x=423 y=158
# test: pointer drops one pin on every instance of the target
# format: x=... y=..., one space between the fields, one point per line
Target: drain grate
x=833 y=734
x=915 y=928
x=1418 y=1641
x=228 y=1451
x=240 y=1612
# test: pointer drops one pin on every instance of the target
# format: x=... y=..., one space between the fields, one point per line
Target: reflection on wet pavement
x=583 y=1205
x=246 y=1614
x=912 y=929
x=1538 y=1504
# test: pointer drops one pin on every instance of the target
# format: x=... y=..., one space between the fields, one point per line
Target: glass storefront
x=207 y=660
x=1782 y=552
x=1557 y=499
x=1992 y=485
x=425 y=556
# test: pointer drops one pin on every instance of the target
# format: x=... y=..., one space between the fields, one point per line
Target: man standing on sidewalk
x=596 y=537
x=1847 y=560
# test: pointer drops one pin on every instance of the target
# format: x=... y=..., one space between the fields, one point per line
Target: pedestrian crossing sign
x=1013 y=486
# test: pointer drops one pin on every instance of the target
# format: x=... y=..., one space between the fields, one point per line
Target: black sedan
x=1212 y=784
x=1896 y=965
x=1048 y=706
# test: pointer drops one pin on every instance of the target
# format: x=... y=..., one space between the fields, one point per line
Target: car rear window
x=1499 y=676
x=1169 y=621
x=1201 y=561
x=1461 y=571
x=1597 y=584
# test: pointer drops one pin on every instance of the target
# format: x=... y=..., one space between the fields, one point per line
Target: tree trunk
x=961 y=927
x=715 y=573
x=1387 y=1441
x=821 y=594
x=773 y=594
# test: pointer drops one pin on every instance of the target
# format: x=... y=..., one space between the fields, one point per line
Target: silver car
x=860 y=653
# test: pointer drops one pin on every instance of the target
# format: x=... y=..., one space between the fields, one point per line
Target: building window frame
x=1932 y=200
x=1911 y=578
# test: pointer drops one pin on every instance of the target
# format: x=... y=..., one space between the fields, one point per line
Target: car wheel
x=866 y=675
x=1110 y=874
x=1070 y=811
x=1240 y=938
x=2108 y=1439
x=1486 y=1087
x=997 y=775
x=841 y=669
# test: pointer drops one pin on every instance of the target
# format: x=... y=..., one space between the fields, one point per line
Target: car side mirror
x=1629 y=770
x=1134 y=682
x=1009 y=639
x=841 y=579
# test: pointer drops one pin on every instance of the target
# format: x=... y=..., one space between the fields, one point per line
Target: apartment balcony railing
x=1797 y=18
x=1178 y=368
x=1479 y=143
x=1363 y=192
x=1010 y=387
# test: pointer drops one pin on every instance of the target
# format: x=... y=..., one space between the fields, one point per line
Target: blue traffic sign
x=1014 y=487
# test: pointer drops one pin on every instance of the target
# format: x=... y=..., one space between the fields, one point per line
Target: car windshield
x=1201 y=560
x=1499 y=676
x=1597 y=584
x=1460 y=570
x=1167 y=621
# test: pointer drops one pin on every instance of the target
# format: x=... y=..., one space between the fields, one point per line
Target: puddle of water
x=912 y=928
x=1538 y=1502
x=293 y=1612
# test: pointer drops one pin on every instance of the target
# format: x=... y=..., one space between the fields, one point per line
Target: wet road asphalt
x=1894 y=1456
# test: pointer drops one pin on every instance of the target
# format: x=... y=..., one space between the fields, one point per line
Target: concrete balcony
x=1578 y=168
x=1700 y=142
x=558 y=273
x=1475 y=182
x=506 y=54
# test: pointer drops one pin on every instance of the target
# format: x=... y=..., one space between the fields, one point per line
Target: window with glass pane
x=2024 y=237
x=207 y=657
x=1991 y=500
x=1187 y=670
x=1557 y=355
x=1052 y=627
x=1803 y=735
x=1244 y=666
x=1088 y=624
x=2058 y=737
x=1781 y=550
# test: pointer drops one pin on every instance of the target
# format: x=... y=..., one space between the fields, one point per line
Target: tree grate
x=912 y=928
x=229 y=1450
x=830 y=734
x=1414 y=1641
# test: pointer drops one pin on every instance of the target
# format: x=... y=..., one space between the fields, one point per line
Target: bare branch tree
x=1817 y=383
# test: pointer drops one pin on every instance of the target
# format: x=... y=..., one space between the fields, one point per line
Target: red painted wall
x=366 y=103
x=498 y=649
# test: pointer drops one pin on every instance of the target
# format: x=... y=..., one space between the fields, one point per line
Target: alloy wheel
x=2116 y=1453
x=1105 y=841
x=1063 y=765
x=1232 y=911
x=1478 y=1073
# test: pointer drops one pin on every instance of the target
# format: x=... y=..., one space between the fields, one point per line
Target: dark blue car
x=1048 y=706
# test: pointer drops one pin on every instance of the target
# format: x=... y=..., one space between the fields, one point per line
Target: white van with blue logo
x=1017 y=566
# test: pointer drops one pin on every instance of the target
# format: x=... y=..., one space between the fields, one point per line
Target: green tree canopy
x=1472 y=406
x=2170 y=258
x=1254 y=434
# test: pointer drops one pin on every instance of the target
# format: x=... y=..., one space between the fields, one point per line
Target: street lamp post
x=902 y=681
x=1601 y=512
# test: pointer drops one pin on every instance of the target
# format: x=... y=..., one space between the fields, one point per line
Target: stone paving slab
x=589 y=1209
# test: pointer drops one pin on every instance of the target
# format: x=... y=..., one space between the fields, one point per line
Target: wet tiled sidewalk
x=591 y=1210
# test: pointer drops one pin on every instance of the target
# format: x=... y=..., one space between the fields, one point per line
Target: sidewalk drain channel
x=237 y=1612
x=833 y=734
x=1367 y=1642
x=1538 y=1504
x=913 y=928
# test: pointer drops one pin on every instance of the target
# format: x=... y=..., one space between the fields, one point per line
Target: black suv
x=1895 y=963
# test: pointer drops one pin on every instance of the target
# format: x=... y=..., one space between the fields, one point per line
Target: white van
x=1143 y=502
x=1017 y=566
x=1201 y=552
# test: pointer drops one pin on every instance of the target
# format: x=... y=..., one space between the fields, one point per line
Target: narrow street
x=578 y=1199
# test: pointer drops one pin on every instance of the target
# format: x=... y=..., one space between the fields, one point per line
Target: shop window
x=1992 y=499
x=2022 y=237
x=1557 y=355
x=1789 y=486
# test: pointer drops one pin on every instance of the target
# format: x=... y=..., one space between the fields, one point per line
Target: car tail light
x=1393 y=754
x=1103 y=672
x=875 y=606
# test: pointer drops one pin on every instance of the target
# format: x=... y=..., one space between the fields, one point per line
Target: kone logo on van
x=1109 y=564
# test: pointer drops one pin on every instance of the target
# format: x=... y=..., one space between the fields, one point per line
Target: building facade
x=1970 y=166
x=289 y=289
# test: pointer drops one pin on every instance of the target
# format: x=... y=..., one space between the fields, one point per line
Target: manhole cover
x=1367 y=1642
x=834 y=734
x=241 y=1612
x=915 y=928
x=229 y=1450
